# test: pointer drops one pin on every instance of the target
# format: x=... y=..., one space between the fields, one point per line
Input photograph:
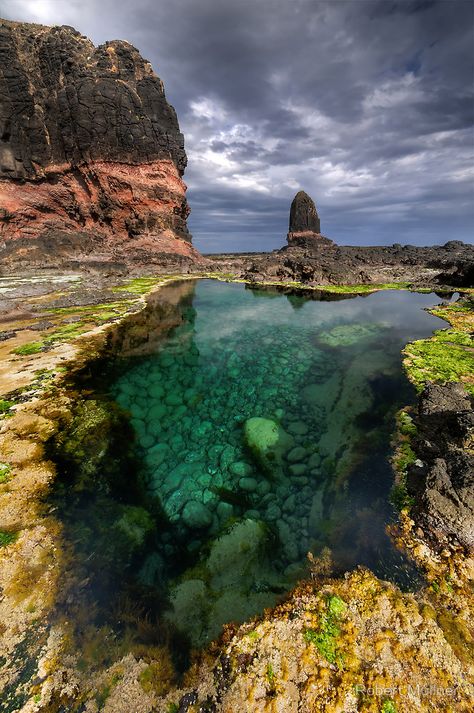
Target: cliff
x=91 y=156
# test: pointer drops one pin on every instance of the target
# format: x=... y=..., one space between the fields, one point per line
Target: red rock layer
x=118 y=211
x=307 y=238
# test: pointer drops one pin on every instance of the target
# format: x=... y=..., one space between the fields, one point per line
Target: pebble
x=298 y=428
x=296 y=455
x=298 y=468
x=273 y=512
x=249 y=484
x=224 y=510
x=240 y=468
x=314 y=461
x=253 y=514
x=196 y=515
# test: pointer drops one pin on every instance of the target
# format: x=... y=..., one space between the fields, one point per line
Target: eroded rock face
x=91 y=156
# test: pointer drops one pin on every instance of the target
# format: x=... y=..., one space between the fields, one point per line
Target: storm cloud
x=365 y=104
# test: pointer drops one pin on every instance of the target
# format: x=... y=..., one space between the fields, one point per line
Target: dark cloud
x=366 y=104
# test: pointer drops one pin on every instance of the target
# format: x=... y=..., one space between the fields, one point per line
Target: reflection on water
x=263 y=424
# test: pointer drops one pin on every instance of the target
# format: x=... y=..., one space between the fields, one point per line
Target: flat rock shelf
x=262 y=426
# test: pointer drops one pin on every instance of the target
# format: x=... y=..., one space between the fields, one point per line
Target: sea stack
x=305 y=225
x=91 y=155
x=304 y=217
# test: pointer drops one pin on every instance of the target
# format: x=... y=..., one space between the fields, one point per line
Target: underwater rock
x=345 y=335
x=249 y=484
x=316 y=513
x=273 y=512
x=354 y=398
x=152 y=571
x=296 y=455
x=233 y=553
x=298 y=469
x=196 y=515
x=226 y=592
x=287 y=540
x=298 y=428
x=268 y=441
x=190 y=602
x=314 y=461
x=157 y=454
x=323 y=395
x=224 y=511
x=240 y=468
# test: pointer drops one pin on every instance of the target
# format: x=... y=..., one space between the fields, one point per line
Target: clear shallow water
x=263 y=423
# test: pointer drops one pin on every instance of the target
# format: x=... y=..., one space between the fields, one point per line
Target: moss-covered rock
x=345 y=335
x=268 y=442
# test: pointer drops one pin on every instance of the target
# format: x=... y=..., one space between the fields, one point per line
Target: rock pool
x=263 y=425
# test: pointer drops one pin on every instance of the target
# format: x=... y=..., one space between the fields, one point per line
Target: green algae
x=402 y=459
x=405 y=424
x=440 y=360
x=325 y=637
x=355 y=289
x=362 y=289
x=449 y=354
x=5 y=405
x=7 y=538
x=29 y=348
x=91 y=309
x=5 y=473
x=140 y=285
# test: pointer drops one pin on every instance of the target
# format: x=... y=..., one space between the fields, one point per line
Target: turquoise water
x=263 y=423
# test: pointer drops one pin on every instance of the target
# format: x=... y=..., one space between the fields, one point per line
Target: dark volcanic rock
x=317 y=262
x=314 y=259
x=442 y=481
x=303 y=215
x=305 y=227
x=91 y=156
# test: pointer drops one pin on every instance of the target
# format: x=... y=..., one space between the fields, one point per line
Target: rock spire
x=303 y=215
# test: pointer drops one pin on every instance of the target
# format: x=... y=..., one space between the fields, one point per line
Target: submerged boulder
x=267 y=441
x=235 y=581
x=196 y=515
x=345 y=335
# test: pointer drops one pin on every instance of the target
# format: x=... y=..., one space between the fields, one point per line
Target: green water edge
x=220 y=537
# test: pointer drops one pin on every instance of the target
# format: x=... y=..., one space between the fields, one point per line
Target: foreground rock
x=442 y=479
x=91 y=157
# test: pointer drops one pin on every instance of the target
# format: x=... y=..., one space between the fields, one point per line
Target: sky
x=367 y=105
